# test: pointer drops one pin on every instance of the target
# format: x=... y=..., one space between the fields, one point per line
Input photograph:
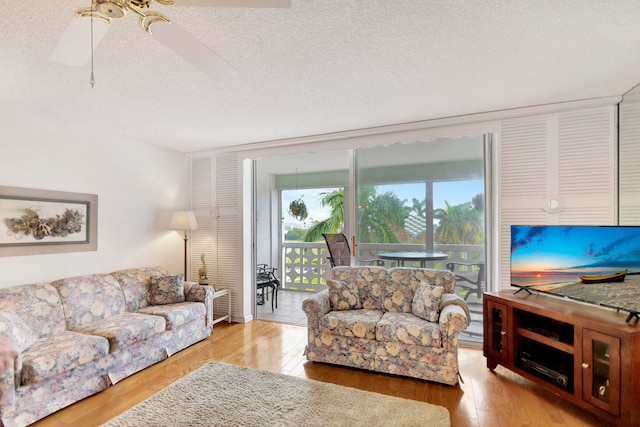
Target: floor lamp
x=184 y=220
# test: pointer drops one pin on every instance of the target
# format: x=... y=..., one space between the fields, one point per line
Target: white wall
x=138 y=185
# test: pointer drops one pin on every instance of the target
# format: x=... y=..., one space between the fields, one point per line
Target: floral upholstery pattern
x=203 y=294
x=351 y=323
x=384 y=335
x=89 y=299
x=436 y=364
x=38 y=305
x=135 y=282
x=14 y=328
x=60 y=353
x=176 y=315
x=343 y=295
x=125 y=329
x=88 y=338
x=341 y=350
x=370 y=281
x=166 y=289
x=426 y=302
x=408 y=329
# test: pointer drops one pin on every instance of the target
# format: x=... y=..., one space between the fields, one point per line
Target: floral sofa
x=79 y=335
x=402 y=321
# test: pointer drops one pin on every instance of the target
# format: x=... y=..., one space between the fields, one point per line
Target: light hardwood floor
x=486 y=398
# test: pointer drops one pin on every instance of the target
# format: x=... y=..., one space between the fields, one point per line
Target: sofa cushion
x=37 y=305
x=398 y=297
x=126 y=329
x=14 y=328
x=408 y=329
x=90 y=298
x=343 y=295
x=351 y=323
x=371 y=281
x=135 y=285
x=59 y=353
x=426 y=302
x=177 y=314
x=166 y=289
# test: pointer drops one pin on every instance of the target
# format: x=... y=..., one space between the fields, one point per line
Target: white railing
x=306 y=265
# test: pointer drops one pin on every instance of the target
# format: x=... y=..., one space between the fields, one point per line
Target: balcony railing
x=306 y=265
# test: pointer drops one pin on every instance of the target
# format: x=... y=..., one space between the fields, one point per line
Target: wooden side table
x=218 y=294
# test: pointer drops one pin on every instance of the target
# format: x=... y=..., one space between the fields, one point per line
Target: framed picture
x=36 y=222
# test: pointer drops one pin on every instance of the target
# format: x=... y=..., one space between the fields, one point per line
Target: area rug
x=219 y=394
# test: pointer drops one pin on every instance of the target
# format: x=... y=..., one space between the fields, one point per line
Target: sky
x=548 y=250
x=455 y=193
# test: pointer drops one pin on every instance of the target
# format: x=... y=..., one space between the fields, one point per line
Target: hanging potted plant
x=298 y=209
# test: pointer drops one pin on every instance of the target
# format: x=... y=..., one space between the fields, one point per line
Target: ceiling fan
x=91 y=24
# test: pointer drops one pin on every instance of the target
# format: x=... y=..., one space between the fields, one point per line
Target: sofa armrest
x=200 y=293
x=453 y=319
x=316 y=306
x=8 y=388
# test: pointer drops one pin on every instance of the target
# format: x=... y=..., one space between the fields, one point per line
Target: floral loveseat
x=79 y=335
x=402 y=321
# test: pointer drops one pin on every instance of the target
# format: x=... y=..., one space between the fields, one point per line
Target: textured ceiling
x=321 y=66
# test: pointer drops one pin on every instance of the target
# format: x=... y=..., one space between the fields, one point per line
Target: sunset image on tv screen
x=553 y=256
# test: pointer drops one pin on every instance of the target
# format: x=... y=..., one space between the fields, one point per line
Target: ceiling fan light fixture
x=111 y=9
x=150 y=18
x=71 y=48
x=91 y=13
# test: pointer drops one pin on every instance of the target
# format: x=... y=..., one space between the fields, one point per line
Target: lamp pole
x=184 y=220
x=185 y=254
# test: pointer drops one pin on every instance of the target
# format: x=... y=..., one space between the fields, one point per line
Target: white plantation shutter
x=229 y=235
x=630 y=163
x=215 y=191
x=202 y=200
x=568 y=158
x=587 y=167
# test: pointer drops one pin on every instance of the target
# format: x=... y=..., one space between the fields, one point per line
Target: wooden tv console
x=585 y=354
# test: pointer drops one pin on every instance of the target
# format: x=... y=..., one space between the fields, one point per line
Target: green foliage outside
x=295 y=234
x=382 y=216
x=459 y=224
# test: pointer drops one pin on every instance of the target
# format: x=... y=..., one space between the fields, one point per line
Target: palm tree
x=381 y=216
x=335 y=222
x=419 y=207
x=459 y=224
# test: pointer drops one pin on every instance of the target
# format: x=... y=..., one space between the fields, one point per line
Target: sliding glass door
x=423 y=204
x=422 y=197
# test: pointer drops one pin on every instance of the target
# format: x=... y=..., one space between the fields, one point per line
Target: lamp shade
x=183 y=220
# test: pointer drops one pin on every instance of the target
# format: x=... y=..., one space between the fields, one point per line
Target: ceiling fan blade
x=235 y=3
x=74 y=47
x=192 y=50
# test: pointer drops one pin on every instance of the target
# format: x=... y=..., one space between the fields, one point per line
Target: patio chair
x=339 y=251
x=469 y=276
x=266 y=279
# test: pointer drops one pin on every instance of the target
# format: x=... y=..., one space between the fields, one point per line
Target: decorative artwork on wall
x=41 y=222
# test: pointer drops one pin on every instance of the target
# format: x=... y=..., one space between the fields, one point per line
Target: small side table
x=218 y=294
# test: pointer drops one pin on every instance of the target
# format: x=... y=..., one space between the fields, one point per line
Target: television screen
x=594 y=264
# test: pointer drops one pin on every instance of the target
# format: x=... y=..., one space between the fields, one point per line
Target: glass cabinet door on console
x=496 y=336
x=601 y=371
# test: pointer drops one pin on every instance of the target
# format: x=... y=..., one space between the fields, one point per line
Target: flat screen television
x=593 y=264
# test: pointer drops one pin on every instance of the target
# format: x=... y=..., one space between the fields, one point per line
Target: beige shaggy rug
x=218 y=394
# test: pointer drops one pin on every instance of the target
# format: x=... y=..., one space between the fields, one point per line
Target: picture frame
x=35 y=222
